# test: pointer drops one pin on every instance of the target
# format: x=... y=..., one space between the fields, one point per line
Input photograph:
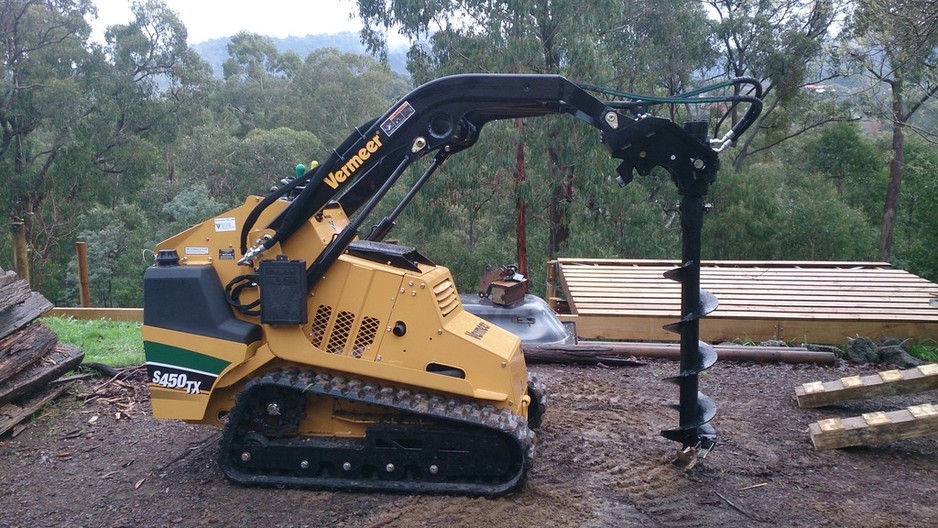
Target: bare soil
x=599 y=462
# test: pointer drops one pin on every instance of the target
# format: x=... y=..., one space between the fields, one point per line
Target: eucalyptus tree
x=550 y=163
x=258 y=82
x=895 y=42
x=335 y=91
x=86 y=124
x=43 y=62
x=787 y=45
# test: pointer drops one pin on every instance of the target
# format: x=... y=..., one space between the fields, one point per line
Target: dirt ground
x=599 y=462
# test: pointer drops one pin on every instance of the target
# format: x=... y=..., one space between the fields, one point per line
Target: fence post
x=84 y=292
x=20 y=255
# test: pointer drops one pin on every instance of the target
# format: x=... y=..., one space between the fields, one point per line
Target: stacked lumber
x=808 y=301
x=30 y=356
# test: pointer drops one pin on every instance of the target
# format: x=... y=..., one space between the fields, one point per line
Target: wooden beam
x=47 y=368
x=12 y=414
x=22 y=348
x=886 y=383
x=18 y=316
x=875 y=428
x=20 y=250
x=715 y=329
x=84 y=289
x=114 y=314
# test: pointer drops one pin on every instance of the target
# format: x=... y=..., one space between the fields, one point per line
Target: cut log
x=24 y=347
x=12 y=414
x=18 y=316
x=595 y=352
x=59 y=361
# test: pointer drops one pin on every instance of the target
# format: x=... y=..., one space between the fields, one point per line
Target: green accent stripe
x=170 y=355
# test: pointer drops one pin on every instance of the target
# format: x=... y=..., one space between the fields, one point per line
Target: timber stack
x=31 y=358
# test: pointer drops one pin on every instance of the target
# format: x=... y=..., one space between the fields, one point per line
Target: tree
x=258 y=82
x=43 y=58
x=560 y=179
x=896 y=44
x=85 y=124
x=334 y=92
x=784 y=45
x=844 y=155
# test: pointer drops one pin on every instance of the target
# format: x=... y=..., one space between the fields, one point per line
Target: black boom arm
x=446 y=115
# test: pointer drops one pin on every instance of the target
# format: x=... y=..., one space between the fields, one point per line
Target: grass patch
x=118 y=344
x=926 y=351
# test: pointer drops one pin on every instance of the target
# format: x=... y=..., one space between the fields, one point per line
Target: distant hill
x=215 y=51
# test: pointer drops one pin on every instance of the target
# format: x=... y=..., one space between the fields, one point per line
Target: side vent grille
x=366 y=336
x=340 y=332
x=446 y=297
x=320 y=321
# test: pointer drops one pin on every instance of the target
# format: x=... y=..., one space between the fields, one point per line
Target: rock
x=837 y=351
x=773 y=343
x=887 y=342
x=897 y=356
x=862 y=350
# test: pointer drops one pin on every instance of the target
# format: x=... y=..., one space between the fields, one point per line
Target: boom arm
x=445 y=116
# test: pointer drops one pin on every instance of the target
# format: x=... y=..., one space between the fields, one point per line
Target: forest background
x=123 y=143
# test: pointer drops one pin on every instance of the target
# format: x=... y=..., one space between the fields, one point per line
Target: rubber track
x=416 y=402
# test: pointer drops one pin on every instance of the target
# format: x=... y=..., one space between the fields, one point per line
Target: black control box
x=283 y=291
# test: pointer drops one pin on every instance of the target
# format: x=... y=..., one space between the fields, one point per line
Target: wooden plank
x=114 y=314
x=720 y=329
x=875 y=428
x=23 y=313
x=728 y=263
x=837 y=291
x=11 y=414
x=744 y=312
x=887 y=383
x=13 y=292
x=24 y=347
x=62 y=359
x=777 y=304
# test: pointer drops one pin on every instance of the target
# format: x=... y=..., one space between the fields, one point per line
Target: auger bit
x=693 y=166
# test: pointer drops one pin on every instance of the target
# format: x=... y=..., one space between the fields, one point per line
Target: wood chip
x=139 y=483
x=93 y=419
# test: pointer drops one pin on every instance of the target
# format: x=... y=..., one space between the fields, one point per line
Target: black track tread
x=538 y=406
x=442 y=407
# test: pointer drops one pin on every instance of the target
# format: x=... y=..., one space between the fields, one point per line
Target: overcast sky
x=208 y=19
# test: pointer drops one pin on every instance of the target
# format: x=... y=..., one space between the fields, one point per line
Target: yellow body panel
x=365 y=319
